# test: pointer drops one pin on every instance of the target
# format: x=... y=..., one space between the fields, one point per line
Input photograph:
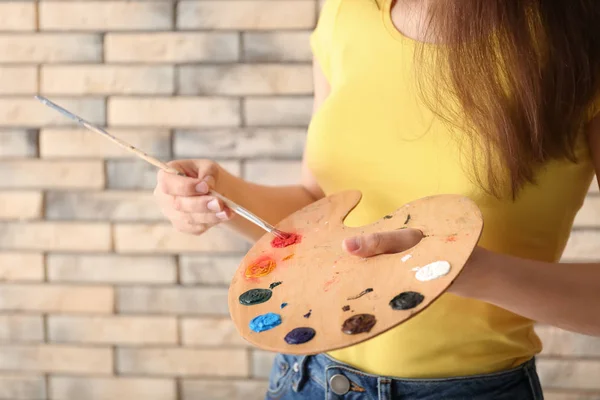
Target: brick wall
x=100 y=298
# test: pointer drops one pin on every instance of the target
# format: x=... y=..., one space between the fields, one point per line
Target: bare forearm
x=563 y=295
x=271 y=203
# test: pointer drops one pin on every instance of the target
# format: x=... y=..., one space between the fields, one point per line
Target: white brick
x=569 y=374
x=105 y=15
x=17 y=16
x=60 y=359
x=215 y=332
x=130 y=174
x=208 y=270
x=22 y=387
x=171 y=47
x=20 y=205
x=56 y=298
x=55 y=236
x=262 y=361
x=558 y=342
x=182 y=362
x=245 y=79
x=273 y=172
x=21 y=328
x=18 y=143
x=173 y=112
x=246 y=15
x=106 y=79
x=28 y=112
x=583 y=245
x=246 y=143
x=67 y=388
x=589 y=215
x=277 y=46
x=111 y=268
x=118 y=330
x=81 y=143
x=21 y=267
x=173 y=300
x=17 y=80
x=40 y=174
x=102 y=206
x=138 y=238
x=278 y=111
x=215 y=389
x=50 y=48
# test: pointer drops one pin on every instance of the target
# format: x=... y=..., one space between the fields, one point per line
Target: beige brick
x=105 y=15
x=278 y=111
x=21 y=328
x=246 y=143
x=112 y=330
x=174 y=112
x=563 y=343
x=55 y=236
x=56 y=298
x=594 y=186
x=246 y=15
x=245 y=79
x=111 y=268
x=18 y=143
x=137 y=238
x=17 y=16
x=209 y=270
x=569 y=374
x=173 y=300
x=215 y=389
x=273 y=172
x=19 y=111
x=56 y=359
x=589 y=214
x=17 y=80
x=20 y=205
x=50 y=48
x=107 y=79
x=130 y=174
x=215 y=332
x=182 y=362
x=99 y=206
x=583 y=246
x=171 y=47
x=566 y=395
x=21 y=267
x=262 y=361
x=81 y=143
x=40 y=174
x=70 y=388
x=22 y=387
x=277 y=46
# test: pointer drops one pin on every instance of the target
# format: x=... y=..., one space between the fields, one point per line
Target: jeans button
x=339 y=384
x=296 y=367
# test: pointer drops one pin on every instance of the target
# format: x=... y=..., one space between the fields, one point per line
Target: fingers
x=201 y=177
x=382 y=243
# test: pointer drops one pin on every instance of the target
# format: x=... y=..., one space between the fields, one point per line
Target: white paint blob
x=406 y=258
x=433 y=271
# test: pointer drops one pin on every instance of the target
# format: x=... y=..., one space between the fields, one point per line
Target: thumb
x=383 y=242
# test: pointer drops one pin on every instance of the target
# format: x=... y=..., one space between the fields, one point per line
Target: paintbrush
x=159 y=164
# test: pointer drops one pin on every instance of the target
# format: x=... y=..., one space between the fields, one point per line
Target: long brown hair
x=525 y=73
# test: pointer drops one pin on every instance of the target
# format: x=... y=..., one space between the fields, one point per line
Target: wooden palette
x=320 y=276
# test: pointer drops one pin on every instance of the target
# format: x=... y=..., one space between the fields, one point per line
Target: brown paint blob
x=288 y=257
x=261 y=267
x=290 y=239
x=346 y=308
x=360 y=323
x=361 y=294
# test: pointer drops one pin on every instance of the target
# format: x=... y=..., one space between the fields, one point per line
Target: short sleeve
x=321 y=38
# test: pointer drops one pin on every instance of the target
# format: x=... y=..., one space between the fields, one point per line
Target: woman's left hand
x=470 y=281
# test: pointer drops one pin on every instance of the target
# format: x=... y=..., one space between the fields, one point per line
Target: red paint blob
x=292 y=238
x=452 y=238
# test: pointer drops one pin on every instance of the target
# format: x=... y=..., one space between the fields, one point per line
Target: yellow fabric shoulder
x=322 y=36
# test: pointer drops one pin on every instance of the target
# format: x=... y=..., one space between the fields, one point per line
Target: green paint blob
x=255 y=296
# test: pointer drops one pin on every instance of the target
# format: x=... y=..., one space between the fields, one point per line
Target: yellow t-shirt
x=374 y=134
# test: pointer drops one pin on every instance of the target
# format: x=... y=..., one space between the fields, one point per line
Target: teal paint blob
x=255 y=296
x=265 y=322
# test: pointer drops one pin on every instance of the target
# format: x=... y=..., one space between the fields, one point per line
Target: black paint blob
x=274 y=285
x=307 y=315
x=406 y=300
x=407 y=219
x=361 y=294
x=359 y=323
x=346 y=308
x=299 y=335
x=255 y=296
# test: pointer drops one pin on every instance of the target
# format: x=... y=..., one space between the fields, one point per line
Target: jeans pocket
x=280 y=376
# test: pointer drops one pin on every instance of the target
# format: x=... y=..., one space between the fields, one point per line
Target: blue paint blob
x=283 y=305
x=265 y=322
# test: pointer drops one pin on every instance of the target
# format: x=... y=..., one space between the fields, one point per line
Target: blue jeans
x=310 y=377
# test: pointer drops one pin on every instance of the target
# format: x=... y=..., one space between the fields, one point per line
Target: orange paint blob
x=261 y=267
x=288 y=257
x=451 y=238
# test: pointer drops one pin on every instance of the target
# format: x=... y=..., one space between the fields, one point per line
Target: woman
x=490 y=99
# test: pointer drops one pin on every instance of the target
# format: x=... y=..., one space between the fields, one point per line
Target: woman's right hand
x=185 y=200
